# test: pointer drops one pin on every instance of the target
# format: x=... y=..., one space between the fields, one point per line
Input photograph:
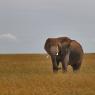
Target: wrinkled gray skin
x=66 y=51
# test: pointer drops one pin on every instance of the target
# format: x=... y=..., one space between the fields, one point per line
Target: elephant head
x=52 y=48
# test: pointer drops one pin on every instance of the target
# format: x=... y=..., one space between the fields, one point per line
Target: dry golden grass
x=32 y=75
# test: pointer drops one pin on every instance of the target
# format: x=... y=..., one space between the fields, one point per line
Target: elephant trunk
x=54 y=63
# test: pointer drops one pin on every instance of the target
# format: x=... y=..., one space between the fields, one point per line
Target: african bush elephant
x=66 y=51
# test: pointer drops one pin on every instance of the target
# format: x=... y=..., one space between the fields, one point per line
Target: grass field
x=31 y=74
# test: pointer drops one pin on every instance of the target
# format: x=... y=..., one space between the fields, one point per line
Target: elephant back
x=76 y=46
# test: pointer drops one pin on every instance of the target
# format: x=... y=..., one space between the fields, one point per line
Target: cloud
x=8 y=36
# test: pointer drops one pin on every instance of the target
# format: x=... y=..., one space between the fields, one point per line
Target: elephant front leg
x=64 y=66
x=65 y=62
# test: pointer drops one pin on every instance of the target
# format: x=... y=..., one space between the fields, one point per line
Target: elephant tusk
x=57 y=53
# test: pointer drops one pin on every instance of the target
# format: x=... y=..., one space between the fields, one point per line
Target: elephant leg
x=65 y=62
x=76 y=66
x=64 y=67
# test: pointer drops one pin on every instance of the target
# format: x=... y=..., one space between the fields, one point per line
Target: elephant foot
x=76 y=67
x=59 y=68
x=64 y=70
x=76 y=70
x=55 y=71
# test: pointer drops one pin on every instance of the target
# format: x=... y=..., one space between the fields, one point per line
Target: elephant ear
x=66 y=43
x=65 y=46
x=46 y=46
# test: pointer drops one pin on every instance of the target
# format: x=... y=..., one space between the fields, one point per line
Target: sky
x=26 y=24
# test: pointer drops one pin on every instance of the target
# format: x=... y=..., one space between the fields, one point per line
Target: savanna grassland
x=31 y=74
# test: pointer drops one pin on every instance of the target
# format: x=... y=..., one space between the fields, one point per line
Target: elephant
x=66 y=51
